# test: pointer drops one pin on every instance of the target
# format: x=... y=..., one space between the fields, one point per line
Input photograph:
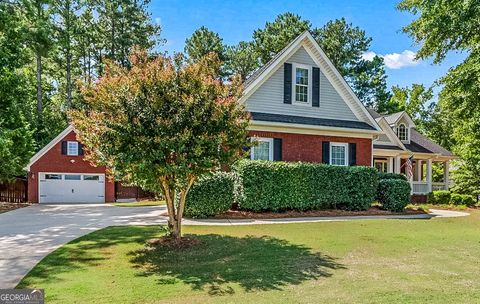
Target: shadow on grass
x=86 y=251
x=218 y=262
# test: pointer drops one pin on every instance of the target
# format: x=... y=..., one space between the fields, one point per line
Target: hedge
x=462 y=199
x=393 y=194
x=439 y=197
x=210 y=195
x=382 y=175
x=277 y=186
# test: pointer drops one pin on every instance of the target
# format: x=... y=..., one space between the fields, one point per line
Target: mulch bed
x=5 y=207
x=239 y=214
x=172 y=243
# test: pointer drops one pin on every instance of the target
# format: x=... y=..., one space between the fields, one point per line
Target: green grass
x=362 y=261
x=140 y=204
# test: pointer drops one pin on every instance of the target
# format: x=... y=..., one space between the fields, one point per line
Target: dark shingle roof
x=387 y=147
x=311 y=121
x=422 y=142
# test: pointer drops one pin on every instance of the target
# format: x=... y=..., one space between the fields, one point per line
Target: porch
x=428 y=174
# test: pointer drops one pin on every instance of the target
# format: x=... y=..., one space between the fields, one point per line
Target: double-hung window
x=339 y=154
x=72 y=148
x=302 y=82
x=263 y=150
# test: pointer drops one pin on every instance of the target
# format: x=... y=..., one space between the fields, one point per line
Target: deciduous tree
x=163 y=121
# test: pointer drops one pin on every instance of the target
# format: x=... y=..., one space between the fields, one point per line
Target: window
x=381 y=165
x=72 y=148
x=72 y=176
x=53 y=176
x=263 y=150
x=402 y=132
x=339 y=154
x=302 y=80
x=91 y=177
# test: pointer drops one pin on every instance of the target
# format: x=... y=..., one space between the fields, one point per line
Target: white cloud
x=368 y=55
x=395 y=60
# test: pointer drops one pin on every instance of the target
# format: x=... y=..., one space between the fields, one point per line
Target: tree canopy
x=163 y=122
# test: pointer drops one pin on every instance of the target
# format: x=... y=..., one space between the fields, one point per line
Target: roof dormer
x=401 y=124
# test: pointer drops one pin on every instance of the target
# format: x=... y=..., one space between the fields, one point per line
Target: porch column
x=446 y=168
x=429 y=175
x=419 y=170
x=397 y=164
x=390 y=164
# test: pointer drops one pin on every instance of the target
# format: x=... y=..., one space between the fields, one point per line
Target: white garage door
x=71 y=188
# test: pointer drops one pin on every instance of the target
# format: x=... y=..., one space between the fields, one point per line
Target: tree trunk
x=68 y=28
x=175 y=216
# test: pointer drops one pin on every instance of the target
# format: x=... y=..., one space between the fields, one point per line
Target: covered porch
x=430 y=172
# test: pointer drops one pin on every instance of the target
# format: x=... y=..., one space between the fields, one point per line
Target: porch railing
x=422 y=187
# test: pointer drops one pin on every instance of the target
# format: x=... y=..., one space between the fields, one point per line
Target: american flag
x=409 y=167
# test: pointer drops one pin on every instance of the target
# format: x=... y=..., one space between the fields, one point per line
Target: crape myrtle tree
x=164 y=121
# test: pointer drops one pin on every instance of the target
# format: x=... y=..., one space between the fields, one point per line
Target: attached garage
x=71 y=188
x=59 y=173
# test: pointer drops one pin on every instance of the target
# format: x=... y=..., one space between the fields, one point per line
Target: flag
x=409 y=167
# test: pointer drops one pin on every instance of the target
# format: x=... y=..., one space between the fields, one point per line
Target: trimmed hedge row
x=382 y=176
x=393 y=194
x=277 y=186
x=210 y=195
x=446 y=197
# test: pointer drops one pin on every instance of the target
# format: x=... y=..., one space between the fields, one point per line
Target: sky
x=236 y=20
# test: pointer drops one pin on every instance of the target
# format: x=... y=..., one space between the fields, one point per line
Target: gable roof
x=50 y=145
x=321 y=60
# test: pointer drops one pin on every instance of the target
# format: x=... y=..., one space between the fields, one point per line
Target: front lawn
x=362 y=261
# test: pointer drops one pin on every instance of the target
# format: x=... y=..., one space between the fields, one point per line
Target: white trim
x=50 y=145
x=409 y=119
x=287 y=52
x=383 y=161
x=407 y=131
x=270 y=146
x=390 y=134
x=338 y=144
x=296 y=66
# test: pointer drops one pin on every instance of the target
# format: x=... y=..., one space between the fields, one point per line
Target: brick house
x=302 y=110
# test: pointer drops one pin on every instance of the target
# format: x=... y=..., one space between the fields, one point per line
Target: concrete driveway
x=29 y=234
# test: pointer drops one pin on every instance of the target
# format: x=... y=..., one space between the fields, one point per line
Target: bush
x=277 y=186
x=456 y=199
x=393 y=194
x=439 y=197
x=382 y=175
x=210 y=195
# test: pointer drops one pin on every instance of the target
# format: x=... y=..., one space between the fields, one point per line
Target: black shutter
x=315 y=87
x=287 y=83
x=64 y=147
x=246 y=150
x=326 y=152
x=277 y=149
x=352 y=154
x=80 y=149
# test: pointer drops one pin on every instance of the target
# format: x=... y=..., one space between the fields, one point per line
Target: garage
x=55 y=187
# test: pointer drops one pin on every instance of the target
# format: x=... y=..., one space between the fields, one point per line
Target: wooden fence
x=14 y=192
x=127 y=192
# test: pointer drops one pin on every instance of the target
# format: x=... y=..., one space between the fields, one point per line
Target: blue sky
x=236 y=21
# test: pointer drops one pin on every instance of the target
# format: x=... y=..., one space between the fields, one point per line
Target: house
x=302 y=110
x=59 y=174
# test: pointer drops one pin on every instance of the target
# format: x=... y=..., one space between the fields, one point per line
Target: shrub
x=210 y=195
x=393 y=194
x=439 y=197
x=456 y=199
x=382 y=175
x=467 y=200
x=276 y=186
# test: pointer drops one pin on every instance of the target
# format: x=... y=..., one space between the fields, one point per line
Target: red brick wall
x=308 y=148
x=54 y=161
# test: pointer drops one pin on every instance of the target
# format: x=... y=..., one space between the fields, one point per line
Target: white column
x=397 y=164
x=419 y=170
x=446 y=168
x=429 y=175
x=390 y=164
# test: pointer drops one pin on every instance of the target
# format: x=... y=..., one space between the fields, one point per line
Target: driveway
x=29 y=234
